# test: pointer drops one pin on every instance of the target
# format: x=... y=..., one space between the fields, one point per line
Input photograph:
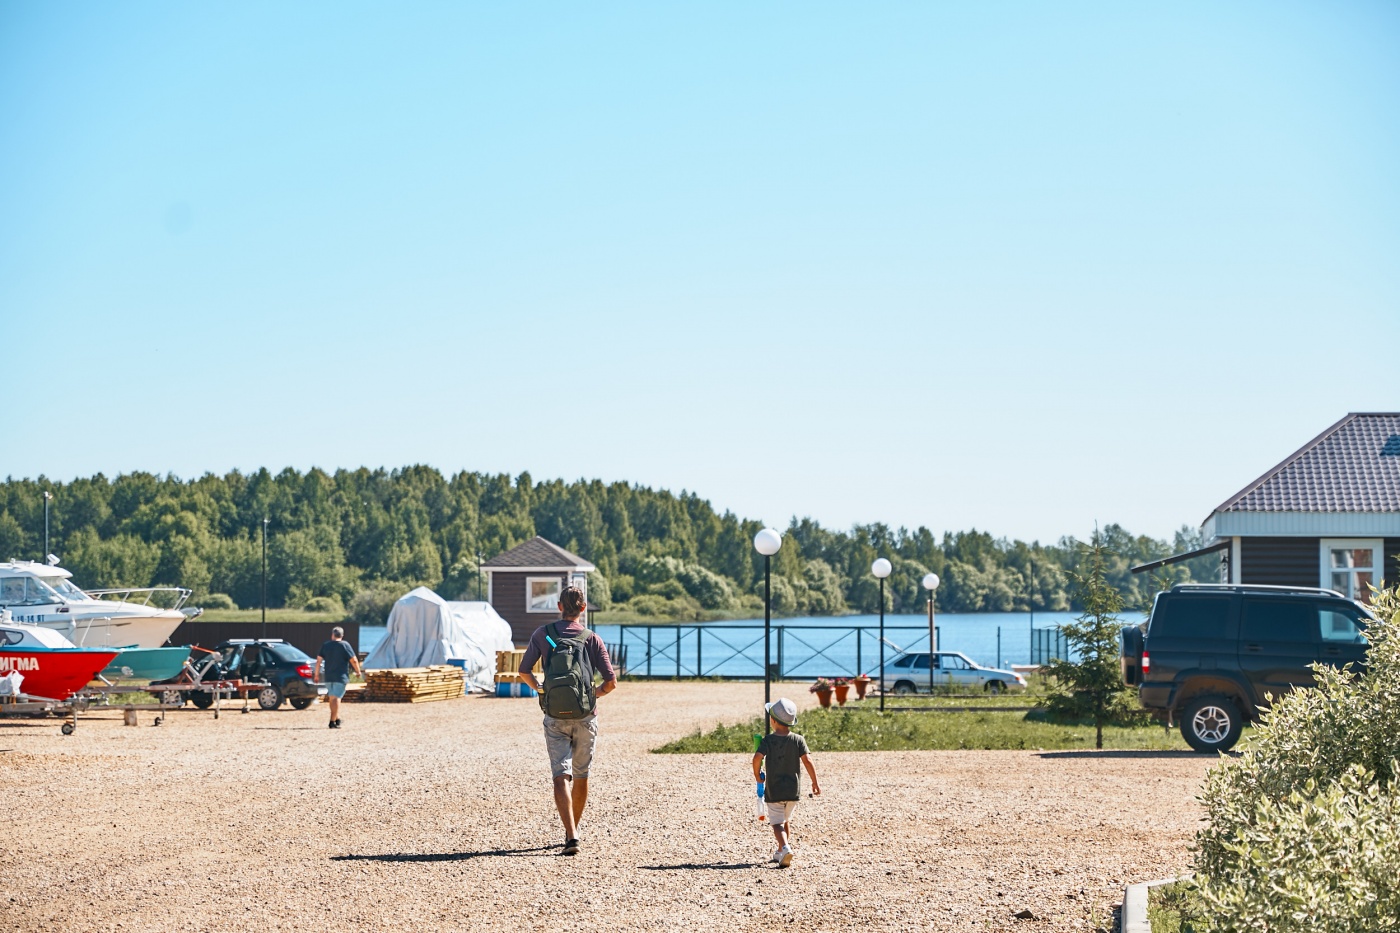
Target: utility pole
x=47 y=496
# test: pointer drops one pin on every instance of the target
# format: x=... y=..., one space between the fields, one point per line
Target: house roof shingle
x=537 y=552
x=1353 y=466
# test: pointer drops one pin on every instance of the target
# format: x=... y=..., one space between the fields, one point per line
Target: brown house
x=524 y=583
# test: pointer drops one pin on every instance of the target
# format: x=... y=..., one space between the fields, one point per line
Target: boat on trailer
x=45 y=595
x=50 y=666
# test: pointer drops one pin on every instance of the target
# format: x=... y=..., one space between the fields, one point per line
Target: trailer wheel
x=174 y=698
x=66 y=728
x=301 y=702
x=270 y=697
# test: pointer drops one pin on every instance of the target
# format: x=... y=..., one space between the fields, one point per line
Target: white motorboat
x=42 y=594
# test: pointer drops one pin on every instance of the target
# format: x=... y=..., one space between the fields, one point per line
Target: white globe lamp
x=881 y=568
x=767 y=542
x=930 y=581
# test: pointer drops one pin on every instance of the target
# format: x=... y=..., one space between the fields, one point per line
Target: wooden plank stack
x=414 y=684
x=354 y=693
x=508 y=666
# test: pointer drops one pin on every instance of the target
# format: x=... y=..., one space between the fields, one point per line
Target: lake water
x=811 y=646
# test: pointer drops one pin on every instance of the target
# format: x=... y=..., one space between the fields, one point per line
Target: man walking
x=572 y=655
x=335 y=657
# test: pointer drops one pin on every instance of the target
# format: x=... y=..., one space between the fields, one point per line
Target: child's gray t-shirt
x=782 y=758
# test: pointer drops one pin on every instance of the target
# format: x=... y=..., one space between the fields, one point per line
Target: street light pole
x=47 y=496
x=881 y=569
x=767 y=542
x=931 y=584
x=264 y=577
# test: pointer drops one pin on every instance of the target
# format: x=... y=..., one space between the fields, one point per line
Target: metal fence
x=1048 y=644
x=736 y=651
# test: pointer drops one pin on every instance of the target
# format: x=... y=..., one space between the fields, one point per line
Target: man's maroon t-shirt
x=570 y=628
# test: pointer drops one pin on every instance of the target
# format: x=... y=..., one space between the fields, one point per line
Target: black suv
x=287 y=670
x=1211 y=655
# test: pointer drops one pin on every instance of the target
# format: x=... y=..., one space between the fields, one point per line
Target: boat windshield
x=26 y=591
x=66 y=589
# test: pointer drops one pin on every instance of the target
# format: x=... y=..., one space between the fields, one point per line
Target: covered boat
x=426 y=629
x=42 y=594
x=50 y=665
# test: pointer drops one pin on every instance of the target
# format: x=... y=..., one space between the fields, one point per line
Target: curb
x=1134 y=914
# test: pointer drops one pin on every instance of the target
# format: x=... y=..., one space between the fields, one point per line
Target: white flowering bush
x=1304 y=826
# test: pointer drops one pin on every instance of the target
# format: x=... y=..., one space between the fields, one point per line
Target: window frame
x=558 y=591
x=1325 y=569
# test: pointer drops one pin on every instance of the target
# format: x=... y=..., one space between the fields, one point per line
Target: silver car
x=920 y=672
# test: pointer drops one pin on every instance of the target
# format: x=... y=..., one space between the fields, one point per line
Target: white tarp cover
x=426 y=629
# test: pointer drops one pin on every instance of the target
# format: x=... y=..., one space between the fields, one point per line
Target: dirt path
x=438 y=816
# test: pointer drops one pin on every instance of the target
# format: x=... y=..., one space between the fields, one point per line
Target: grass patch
x=866 y=729
x=1170 y=908
x=273 y=615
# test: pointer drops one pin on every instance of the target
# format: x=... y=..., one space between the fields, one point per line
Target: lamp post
x=881 y=568
x=931 y=584
x=767 y=542
x=264 y=577
x=47 y=496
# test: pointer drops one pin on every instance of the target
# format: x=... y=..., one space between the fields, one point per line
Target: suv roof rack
x=1266 y=587
x=254 y=641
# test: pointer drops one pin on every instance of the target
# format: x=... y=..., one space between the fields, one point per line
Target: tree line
x=368 y=535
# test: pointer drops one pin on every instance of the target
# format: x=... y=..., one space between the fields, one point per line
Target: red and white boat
x=50 y=665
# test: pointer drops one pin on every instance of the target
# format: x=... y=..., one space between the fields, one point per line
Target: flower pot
x=825 y=697
x=841 y=692
x=861 y=684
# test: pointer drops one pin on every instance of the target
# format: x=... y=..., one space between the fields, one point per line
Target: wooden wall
x=508 y=599
x=308 y=636
x=1280 y=561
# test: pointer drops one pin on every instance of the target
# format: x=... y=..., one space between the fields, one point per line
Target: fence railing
x=797 y=651
x=1048 y=644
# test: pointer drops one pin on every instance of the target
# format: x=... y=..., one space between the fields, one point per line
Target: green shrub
x=214 y=601
x=371 y=605
x=324 y=604
x=1291 y=819
x=599 y=592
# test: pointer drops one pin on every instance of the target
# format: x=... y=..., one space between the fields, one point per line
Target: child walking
x=783 y=749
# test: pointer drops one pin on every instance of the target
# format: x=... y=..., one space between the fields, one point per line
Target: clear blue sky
x=1022 y=266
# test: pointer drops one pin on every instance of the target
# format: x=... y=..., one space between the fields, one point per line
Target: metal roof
x=1353 y=466
x=537 y=553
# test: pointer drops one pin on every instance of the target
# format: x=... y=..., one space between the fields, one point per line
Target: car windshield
x=66 y=589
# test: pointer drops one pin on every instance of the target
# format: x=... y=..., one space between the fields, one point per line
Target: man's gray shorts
x=570 y=743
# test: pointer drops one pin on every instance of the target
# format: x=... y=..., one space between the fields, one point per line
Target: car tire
x=270 y=697
x=904 y=688
x=301 y=702
x=1212 y=723
x=202 y=700
x=995 y=687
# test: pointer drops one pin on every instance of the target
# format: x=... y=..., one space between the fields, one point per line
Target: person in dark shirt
x=783 y=750
x=570 y=742
x=335 y=658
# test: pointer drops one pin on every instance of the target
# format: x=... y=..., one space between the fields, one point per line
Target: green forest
x=355 y=539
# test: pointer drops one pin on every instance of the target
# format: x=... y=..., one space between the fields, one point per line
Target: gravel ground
x=438 y=817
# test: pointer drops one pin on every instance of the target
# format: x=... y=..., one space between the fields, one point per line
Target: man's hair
x=571 y=601
x=337 y=632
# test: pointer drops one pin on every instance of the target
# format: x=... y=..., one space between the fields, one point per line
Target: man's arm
x=318 y=669
x=527 y=664
x=355 y=659
x=812 y=773
x=603 y=665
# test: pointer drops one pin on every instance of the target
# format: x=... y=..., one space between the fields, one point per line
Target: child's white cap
x=783 y=710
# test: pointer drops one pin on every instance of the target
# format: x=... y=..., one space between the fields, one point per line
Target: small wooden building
x=1328 y=515
x=524 y=583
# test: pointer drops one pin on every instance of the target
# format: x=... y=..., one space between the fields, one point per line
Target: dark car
x=1211 y=656
x=287 y=670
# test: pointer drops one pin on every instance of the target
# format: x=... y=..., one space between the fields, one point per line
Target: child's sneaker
x=784 y=856
x=777 y=854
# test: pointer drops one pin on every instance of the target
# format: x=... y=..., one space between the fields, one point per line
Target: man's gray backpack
x=568 y=676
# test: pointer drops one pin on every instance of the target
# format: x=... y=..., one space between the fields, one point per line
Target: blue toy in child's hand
x=762 y=810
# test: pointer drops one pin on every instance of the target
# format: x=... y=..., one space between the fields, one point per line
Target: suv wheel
x=904 y=688
x=301 y=702
x=270 y=697
x=1211 y=723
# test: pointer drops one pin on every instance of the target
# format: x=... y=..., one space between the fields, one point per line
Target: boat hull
x=150 y=630
x=146 y=664
x=54 y=673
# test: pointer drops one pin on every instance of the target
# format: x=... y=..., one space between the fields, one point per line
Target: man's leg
x=565 y=805
x=335 y=708
x=584 y=737
x=580 y=799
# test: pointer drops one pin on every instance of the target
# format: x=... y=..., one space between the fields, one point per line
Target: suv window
x=1341 y=624
x=906 y=661
x=1278 y=620
x=1192 y=617
x=286 y=652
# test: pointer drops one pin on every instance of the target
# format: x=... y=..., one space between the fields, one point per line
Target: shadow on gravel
x=441 y=856
x=696 y=866
x=1122 y=753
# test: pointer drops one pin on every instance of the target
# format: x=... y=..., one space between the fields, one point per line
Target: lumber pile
x=414 y=684
x=508 y=666
x=354 y=693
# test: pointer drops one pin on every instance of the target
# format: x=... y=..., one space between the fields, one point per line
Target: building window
x=1351 y=566
x=542 y=594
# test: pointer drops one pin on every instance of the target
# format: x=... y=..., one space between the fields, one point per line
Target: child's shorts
x=780 y=811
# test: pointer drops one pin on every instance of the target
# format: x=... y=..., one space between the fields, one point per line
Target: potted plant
x=862 y=682
x=842 y=686
x=822 y=688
